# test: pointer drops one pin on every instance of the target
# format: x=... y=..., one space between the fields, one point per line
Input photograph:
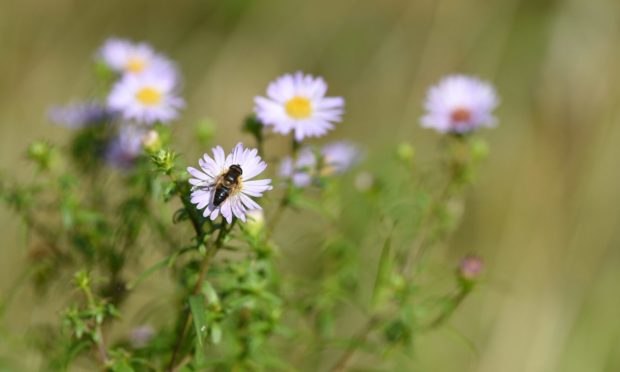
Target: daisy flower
x=146 y=98
x=460 y=104
x=333 y=158
x=79 y=115
x=338 y=157
x=122 y=150
x=297 y=103
x=302 y=170
x=211 y=177
x=126 y=57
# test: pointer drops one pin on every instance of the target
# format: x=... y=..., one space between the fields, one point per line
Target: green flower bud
x=164 y=160
x=405 y=152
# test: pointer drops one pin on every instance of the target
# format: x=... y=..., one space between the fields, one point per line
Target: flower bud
x=164 y=160
x=405 y=152
x=205 y=131
x=479 y=149
x=141 y=336
x=151 y=142
x=41 y=153
x=471 y=267
x=255 y=222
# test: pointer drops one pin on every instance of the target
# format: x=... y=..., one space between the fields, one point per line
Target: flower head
x=141 y=336
x=122 y=150
x=126 y=57
x=79 y=115
x=333 y=158
x=297 y=103
x=460 y=104
x=302 y=169
x=214 y=176
x=146 y=98
x=338 y=157
x=471 y=267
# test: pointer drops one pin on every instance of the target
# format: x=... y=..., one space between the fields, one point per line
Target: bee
x=226 y=183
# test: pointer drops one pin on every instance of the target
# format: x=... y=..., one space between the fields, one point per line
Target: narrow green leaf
x=146 y=273
x=197 y=306
x=383 y=270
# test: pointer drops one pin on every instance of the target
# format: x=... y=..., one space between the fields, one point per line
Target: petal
x=198 y=174
x=220 y=158
x=226 y=211
x=248 y=202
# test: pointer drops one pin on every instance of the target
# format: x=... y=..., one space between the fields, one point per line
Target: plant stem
x=211 y=252
x=347 y=357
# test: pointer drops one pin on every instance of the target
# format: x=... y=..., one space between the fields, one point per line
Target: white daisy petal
x=198 y=174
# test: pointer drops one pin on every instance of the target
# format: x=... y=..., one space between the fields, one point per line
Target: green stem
x=347 y=357
x=211 y=252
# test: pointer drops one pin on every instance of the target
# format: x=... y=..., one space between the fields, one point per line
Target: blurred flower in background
x=333 y=158
x=460 y=104
x=338 y=157
x=122 y=150
x=299 y=170
x=141 y=336
x=147 y=98
x=79 y=115
x=297 y=103
x=126 y=57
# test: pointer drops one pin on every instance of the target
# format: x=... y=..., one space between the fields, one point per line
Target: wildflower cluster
x=240 y=298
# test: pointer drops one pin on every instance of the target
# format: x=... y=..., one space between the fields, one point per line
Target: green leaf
x=122 y=366
x=211 y=294
x=384 y=269
x=197 y=306
x=146 y=273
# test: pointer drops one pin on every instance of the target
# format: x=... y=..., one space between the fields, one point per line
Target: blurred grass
x=545 y=211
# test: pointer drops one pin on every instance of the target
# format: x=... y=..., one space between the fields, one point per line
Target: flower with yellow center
x=239 y=202
x=297 y=103
x=146 y=98
x=135 y=65
x=126 y=57
x=149 y=96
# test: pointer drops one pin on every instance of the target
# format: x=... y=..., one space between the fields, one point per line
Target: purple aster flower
x=213 y=175
x=122 y=150
x=297 y=103
x=146 y=98
x=333 y=158
x=126 y=57
x=338 y=157
x=79 y=115
x=302 y=170
x=460 y=104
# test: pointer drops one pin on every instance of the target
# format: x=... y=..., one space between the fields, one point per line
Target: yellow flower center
x=298 y=108
x=149 y=96
x=135 y=65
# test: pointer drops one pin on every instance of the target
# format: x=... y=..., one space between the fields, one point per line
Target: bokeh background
x=545 y=212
